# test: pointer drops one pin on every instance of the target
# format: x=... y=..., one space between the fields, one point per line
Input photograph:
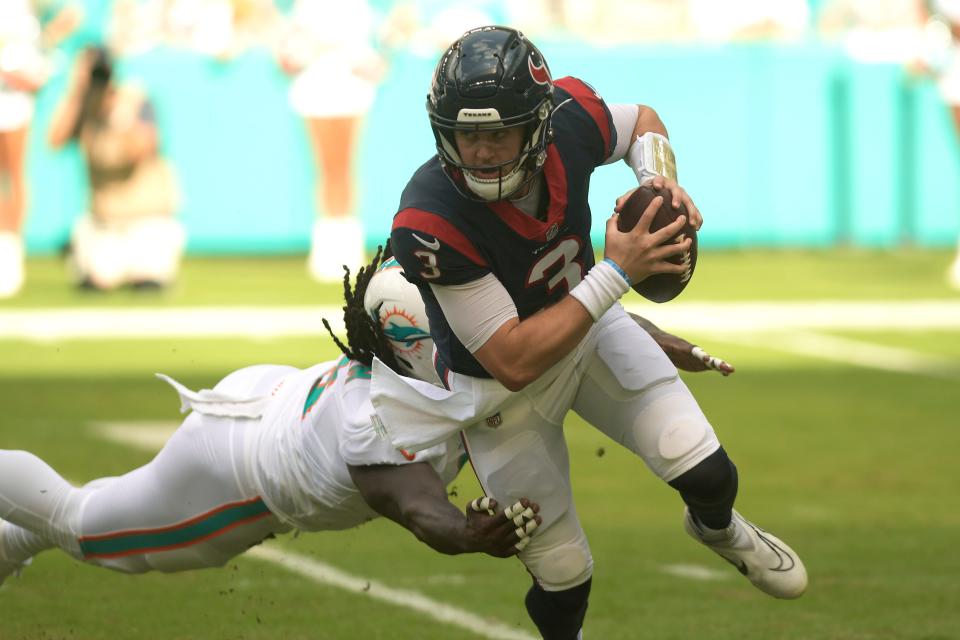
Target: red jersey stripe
x=591 y=102
x=436 y=226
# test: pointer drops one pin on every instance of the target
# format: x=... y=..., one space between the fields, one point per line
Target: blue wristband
x=619 y=269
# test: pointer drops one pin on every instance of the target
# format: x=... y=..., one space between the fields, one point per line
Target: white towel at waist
x=417 y=415
x=215 y=403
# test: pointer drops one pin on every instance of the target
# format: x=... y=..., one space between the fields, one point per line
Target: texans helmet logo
x=539 y=73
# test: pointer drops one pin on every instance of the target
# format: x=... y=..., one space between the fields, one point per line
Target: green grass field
x=854 y=465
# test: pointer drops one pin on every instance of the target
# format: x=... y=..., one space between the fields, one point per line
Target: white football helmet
x=397 y=306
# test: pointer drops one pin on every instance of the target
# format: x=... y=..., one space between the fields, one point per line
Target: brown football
x=660 y=287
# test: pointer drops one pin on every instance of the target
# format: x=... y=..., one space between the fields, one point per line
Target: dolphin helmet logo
x=408 y=336
x=401 y=328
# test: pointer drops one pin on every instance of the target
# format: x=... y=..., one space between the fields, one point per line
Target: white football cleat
x=764 y=559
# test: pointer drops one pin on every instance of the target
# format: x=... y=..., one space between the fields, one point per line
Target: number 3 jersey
x=441 y=237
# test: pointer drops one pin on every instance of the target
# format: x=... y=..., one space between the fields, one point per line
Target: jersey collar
x=527 y=226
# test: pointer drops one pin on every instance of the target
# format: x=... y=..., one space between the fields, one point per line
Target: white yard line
x=325 y=574
x=47 y=325
x=150 y=436
x=275 y=322
x=695 y=572
x=747 y=316
x=849 y=351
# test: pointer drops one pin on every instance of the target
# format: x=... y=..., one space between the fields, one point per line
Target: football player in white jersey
x=272 y=448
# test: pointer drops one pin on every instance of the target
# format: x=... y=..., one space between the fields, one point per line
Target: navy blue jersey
x=441 y=237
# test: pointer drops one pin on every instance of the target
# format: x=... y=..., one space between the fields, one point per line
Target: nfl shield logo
x=495 y=420
x=552 y=231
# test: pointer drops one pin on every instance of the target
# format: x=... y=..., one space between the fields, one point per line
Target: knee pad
x=559 y=558
x=670 y=432
x=564 y=567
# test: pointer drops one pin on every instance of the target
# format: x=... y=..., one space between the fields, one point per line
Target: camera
x=101 y=70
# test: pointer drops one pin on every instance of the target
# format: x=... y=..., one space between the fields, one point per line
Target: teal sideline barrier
x=780 y=146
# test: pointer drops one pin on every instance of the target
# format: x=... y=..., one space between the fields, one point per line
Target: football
x=661 y=287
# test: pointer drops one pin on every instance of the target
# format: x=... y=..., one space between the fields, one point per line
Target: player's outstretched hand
x=502 y=532
x=683 y=354
x=689 y=357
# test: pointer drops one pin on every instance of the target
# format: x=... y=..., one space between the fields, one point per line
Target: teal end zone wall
x=779 y=146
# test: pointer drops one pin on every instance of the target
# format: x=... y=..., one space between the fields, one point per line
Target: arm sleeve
x=475 y=310
x=624 y=118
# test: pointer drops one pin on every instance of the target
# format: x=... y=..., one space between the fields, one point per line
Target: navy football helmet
x=491 y=78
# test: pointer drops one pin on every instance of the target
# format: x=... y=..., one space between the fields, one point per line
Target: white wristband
x=600 y=289
x=650 y=155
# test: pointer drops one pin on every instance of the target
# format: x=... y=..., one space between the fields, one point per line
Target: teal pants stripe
x=184 y=534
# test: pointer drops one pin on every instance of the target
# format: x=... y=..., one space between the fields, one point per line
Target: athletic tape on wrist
x=601 y=287
x=651 y=155
x=619 y=269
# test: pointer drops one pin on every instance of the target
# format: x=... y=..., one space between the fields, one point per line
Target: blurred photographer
x=129 y=236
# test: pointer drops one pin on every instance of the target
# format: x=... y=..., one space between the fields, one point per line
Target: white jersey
x=318 y=422
x=265 y=450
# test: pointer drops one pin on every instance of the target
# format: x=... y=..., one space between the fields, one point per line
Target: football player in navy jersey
x=495 y=232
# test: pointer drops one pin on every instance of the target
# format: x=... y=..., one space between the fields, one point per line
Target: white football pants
x=619 y=381
x=192 y=506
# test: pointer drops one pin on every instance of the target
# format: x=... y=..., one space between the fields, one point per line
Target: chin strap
x=496 y=188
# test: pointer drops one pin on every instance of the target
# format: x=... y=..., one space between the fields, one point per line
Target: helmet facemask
x=526 y=164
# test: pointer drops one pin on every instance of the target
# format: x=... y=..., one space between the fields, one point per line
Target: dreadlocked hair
x=365 y=337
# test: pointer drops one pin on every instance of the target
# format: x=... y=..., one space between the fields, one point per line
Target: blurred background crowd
x=132 y=131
